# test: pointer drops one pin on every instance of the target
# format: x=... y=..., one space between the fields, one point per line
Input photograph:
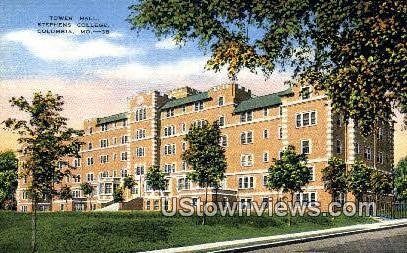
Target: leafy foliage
x=381 y=183
x=334 y=176
x=205 y=155
x=118 y=195
x=359 y=179
x=400 y=179
x=156 y=178
x=128 y=182
x=354 y=50
x=289 y=173
x=8 y=179
x=65 y=193
x=87 y=188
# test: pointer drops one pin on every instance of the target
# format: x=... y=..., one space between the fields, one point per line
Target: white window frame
x=309 y=146
x=245 y=162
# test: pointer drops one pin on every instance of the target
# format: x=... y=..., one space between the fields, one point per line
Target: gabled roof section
x=111 y=118
x=186 y=100
x=265 y=101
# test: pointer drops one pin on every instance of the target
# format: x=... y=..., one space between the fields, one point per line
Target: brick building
x=255 y=129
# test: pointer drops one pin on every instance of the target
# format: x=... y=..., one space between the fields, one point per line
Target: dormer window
x=305 y=92
x=198 y=106
x=246 y=116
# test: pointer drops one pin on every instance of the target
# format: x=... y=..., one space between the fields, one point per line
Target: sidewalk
x=279 y=240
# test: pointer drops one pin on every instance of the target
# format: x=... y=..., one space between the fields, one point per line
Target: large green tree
x=47 y=143
x=359 y=179
x=155 y=178
x=206 y=157
x=381 y=184
x=8 y=179
x=354 y=50
x=334 y=177
x=400 y=179
x=88 y=190
x=289 y=173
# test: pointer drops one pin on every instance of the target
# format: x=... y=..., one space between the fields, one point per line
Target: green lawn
x=139 y=231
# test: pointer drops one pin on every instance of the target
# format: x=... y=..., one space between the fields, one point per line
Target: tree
x=156 y=178
x=400 y=179
x=118 y=195
x=128 y=182
x=8 y=179
x=359 y=179
x=289 y=173
x=47 y=144
x=380 y=184
x=334 y=177
x=206 y=157
x=88 y=189
x=65 y=193
x=330 y=44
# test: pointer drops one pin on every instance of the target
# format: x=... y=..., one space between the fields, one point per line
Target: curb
x=305 y=239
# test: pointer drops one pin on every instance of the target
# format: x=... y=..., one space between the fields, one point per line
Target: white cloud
x=168 y=43
x=115 y=35
x=188 y=71
x=65 y=48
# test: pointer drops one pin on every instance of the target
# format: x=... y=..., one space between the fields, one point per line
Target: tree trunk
x=216 y=196
x=204 y=208
x=34 y=226
x=289 y=211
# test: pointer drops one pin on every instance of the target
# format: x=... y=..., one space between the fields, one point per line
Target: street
x=391 y=240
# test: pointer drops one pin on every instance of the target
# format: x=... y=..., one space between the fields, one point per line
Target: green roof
x=186 y=100
x=262 y=101
x=111 y=118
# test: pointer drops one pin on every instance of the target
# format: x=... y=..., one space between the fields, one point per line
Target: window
x=169 y=149
x=103 y=127
x=280 y=111
x=139 y=170
x=306 y=198
x=104 y=174
x=368 y=153
x=305 y=147
x=246 y=182
x=184 y=166
x=266 y=157
x=76 y=194
x=306 y=119
x=170 y=112
x=156 y=205
x=184 y=108
x=379 y=157
x=265 y=202
x=183 y=184
x=108 y=188
x=125 y=139
x=123 y=173
x=104 y=143
x=280 y=133
x=104 y=158
x=280 y=154
x=25 y=195
x=265 y=180
x=77 y=162
x=24 y=209
x=199 y=123
x=198 y=106
x=380 y=134
x=140 y=151
x=221 y=121
x=140 y=134
x=90 y=146
x=77 y=178
x=223 y=141
x=312 y=173
x=90 y=161
x=169 y=130
x=246 y=160
x=169 y=168
x=183 y=127
x=221 y=101
x=91 y=130
x=265 y=112
x=305 y=92
x=265 y=133
x=125 y=122
x=246 y=137
x=245 y=203
x=141 y=114
x=183 y=146
x=124 y=156
x=338 y=147
x=246 y=116
x=148 y=204
x=89 y=177
x=357 y=148
x=114 y=140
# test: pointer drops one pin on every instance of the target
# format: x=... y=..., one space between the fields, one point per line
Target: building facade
x=255 y=129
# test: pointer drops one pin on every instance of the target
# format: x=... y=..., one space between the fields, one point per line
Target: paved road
x=392 y=240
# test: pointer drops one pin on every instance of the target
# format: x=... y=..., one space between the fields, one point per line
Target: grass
x=140 y=231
